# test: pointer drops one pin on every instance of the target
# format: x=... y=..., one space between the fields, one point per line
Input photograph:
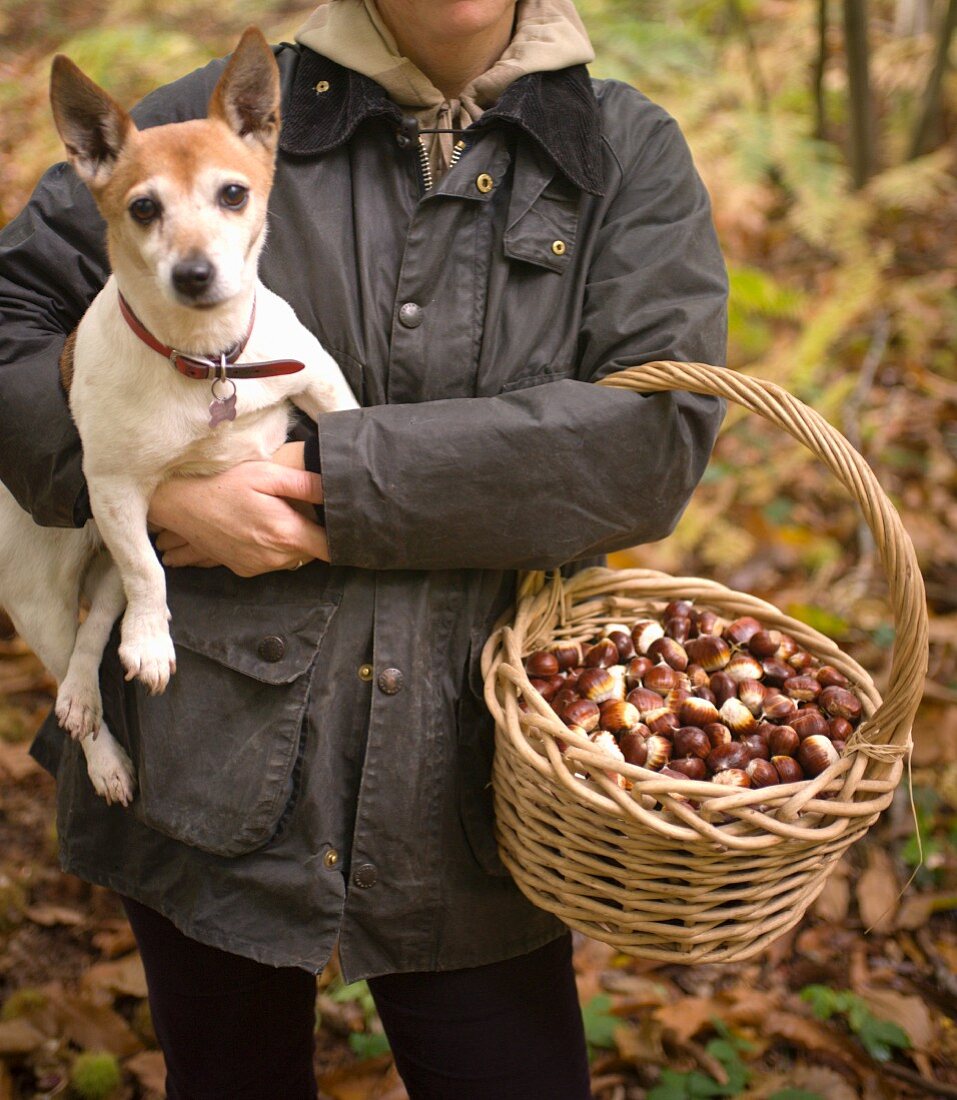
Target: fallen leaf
x=822 y=1080
x=123 y=977
x=834 y=900
x=878 y=892
x=689 y=1015
x=642 y=1045
x=149 y=1068
x=814 y=1037
x=50 y=915
x=115 y=939
x=6 y=1083
x=909 y=1013
x=360 y=1081
x=16 y=761
x=96 y=1027
x=19 y=1037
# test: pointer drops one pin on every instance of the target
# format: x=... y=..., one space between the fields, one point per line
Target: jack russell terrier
x=183 y=364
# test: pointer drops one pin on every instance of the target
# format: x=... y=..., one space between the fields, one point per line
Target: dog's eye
x=234 y=196
x=144 y=210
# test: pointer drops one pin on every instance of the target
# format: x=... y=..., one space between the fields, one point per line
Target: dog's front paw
x=109 y=767
x=79 y=708
x=147 y=653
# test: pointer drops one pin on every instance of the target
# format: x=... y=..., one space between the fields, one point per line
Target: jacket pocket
x=476 y=747
x=216 y=752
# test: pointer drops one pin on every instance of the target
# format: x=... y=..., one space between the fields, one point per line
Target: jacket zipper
x=425 y=168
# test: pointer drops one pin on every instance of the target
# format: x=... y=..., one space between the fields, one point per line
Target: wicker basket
x=689 y=871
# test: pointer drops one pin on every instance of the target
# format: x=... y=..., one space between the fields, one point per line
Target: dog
x=173 y=369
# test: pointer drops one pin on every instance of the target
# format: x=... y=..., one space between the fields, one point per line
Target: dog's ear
x=246 y=97
x=93 y=126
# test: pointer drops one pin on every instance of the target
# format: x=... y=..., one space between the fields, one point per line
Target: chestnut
x=756 y=746
x=624 y=644
x=816 y=754
x=661 y=678
x=762 y=773
x=764 y=644
x=598 y=685
x=645 y=700
x=839 y=729
x=635 y=670
x=743 y=666
x=723 y=686
x=736 y=716
x=582 y=713
x=695 y=711
x=633 y=747
x=732 y=777
x=541 y=664
x=838 y=702
x=659 y=752
x=779 y=708
x=602 y=654
x=718 y=734
x=691 y=741
x=617 y=716
x=734 y=755
x=783 y=741
x=828 y=676
x=568 y=654
x=679 y=628
x=742 y=630
x=708 y=650
x=808 y=723
x=644 y=633
x=670 y=652
x=752 y=693
x=788 y=769
x=690 y=767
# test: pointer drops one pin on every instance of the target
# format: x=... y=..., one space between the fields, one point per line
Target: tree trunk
x=859 y=90
x=926 y=132
x=820 y=113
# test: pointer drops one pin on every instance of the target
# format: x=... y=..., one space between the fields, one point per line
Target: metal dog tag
x=222 y=408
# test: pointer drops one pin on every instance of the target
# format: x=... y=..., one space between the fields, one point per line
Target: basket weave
x=648 y=870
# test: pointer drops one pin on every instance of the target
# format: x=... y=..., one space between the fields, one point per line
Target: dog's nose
x=192 y=277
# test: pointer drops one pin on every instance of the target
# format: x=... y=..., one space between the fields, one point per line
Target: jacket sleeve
x=562 y=471
x=52 y=264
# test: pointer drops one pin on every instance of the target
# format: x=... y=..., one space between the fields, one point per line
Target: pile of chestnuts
x=694 y=696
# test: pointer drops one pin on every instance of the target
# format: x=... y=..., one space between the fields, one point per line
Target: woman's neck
x=451 y=54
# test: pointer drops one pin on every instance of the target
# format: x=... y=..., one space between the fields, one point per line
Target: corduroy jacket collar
x=558 y=110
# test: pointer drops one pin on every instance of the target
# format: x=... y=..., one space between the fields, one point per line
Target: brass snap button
x=485 y=183
x=365 y=876
x=558 y=247
x=365 y=673
x=331 y=859
x=390 y=681
x=272 y=648
x=411 y=315
x=322 y=86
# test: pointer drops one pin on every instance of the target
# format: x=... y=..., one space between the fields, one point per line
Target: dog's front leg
x=146 y=648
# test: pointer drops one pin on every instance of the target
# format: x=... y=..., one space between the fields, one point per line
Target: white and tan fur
x=139 y=420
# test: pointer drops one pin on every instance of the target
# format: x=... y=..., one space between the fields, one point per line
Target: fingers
x=295 y=484
x=169 y=540
x=188 y=555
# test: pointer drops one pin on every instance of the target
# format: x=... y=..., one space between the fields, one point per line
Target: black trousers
x=234 y=1029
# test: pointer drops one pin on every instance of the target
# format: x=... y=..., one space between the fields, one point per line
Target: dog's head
x=185 y=203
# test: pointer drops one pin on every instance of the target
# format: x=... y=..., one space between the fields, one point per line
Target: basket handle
x=895 y=549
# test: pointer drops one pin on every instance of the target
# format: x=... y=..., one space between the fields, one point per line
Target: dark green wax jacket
x=319 y=765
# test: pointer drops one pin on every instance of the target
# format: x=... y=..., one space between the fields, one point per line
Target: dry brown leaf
x=641 y=1045
x=124 y=977
x=50 y=915
x=16 y=762
x=908 y=1012
x=6 y=1083
x=638 y=990
x=834 y=900
x=813 y=1037
x=689 y=1015
x=19 y=1037
x=360 y=1081
x=821 y=1080
x=878 y=892
x=96 y=1027
x=116 y=938
x=149 y=1068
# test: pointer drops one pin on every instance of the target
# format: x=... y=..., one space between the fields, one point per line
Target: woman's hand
x=245 y=518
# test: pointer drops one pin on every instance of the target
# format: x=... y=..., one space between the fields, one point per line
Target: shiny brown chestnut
x=762 y=773
x=838 y=702
x=706 y=693
x=598 y=685
x=618 y=716
x=783 y=741
x=788 y=769
x=635 y=670
x=801 y=661
x=679 y=609
x=752 y=693
x=659 y=752
x=645 y=700
x=779 y=708
x=803 y=689
x=710 y=651
x=563 y=698
x=764 y=644
x=742 y=630
x=679 y=628
x=644 y=633
x=816 y=754
x=633 y=747
x=743 y=666
x=839 y=729
x=661 y=678
x=582 y=713
x=775 y=672
x=695 y=711
x=718 y=734
x=708 y=623
x=568 y=654
x=723 y=686
x=624 y=644
x=756 y=746
x=829 y=676
x=541 y=664
x=691 y=767
x=736 y=716
x=603 y=654
x=691 y=741
x=808 y=723
x=671 y=652
x=662 y=721
x=697 y=675
x=734 y=755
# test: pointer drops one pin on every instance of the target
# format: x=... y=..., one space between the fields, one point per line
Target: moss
x=95 y=1076
x=23 y=1002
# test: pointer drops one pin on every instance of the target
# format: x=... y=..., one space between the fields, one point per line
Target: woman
x=476 y=231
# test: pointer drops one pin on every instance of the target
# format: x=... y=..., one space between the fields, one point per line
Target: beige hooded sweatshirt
x=549 y=35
